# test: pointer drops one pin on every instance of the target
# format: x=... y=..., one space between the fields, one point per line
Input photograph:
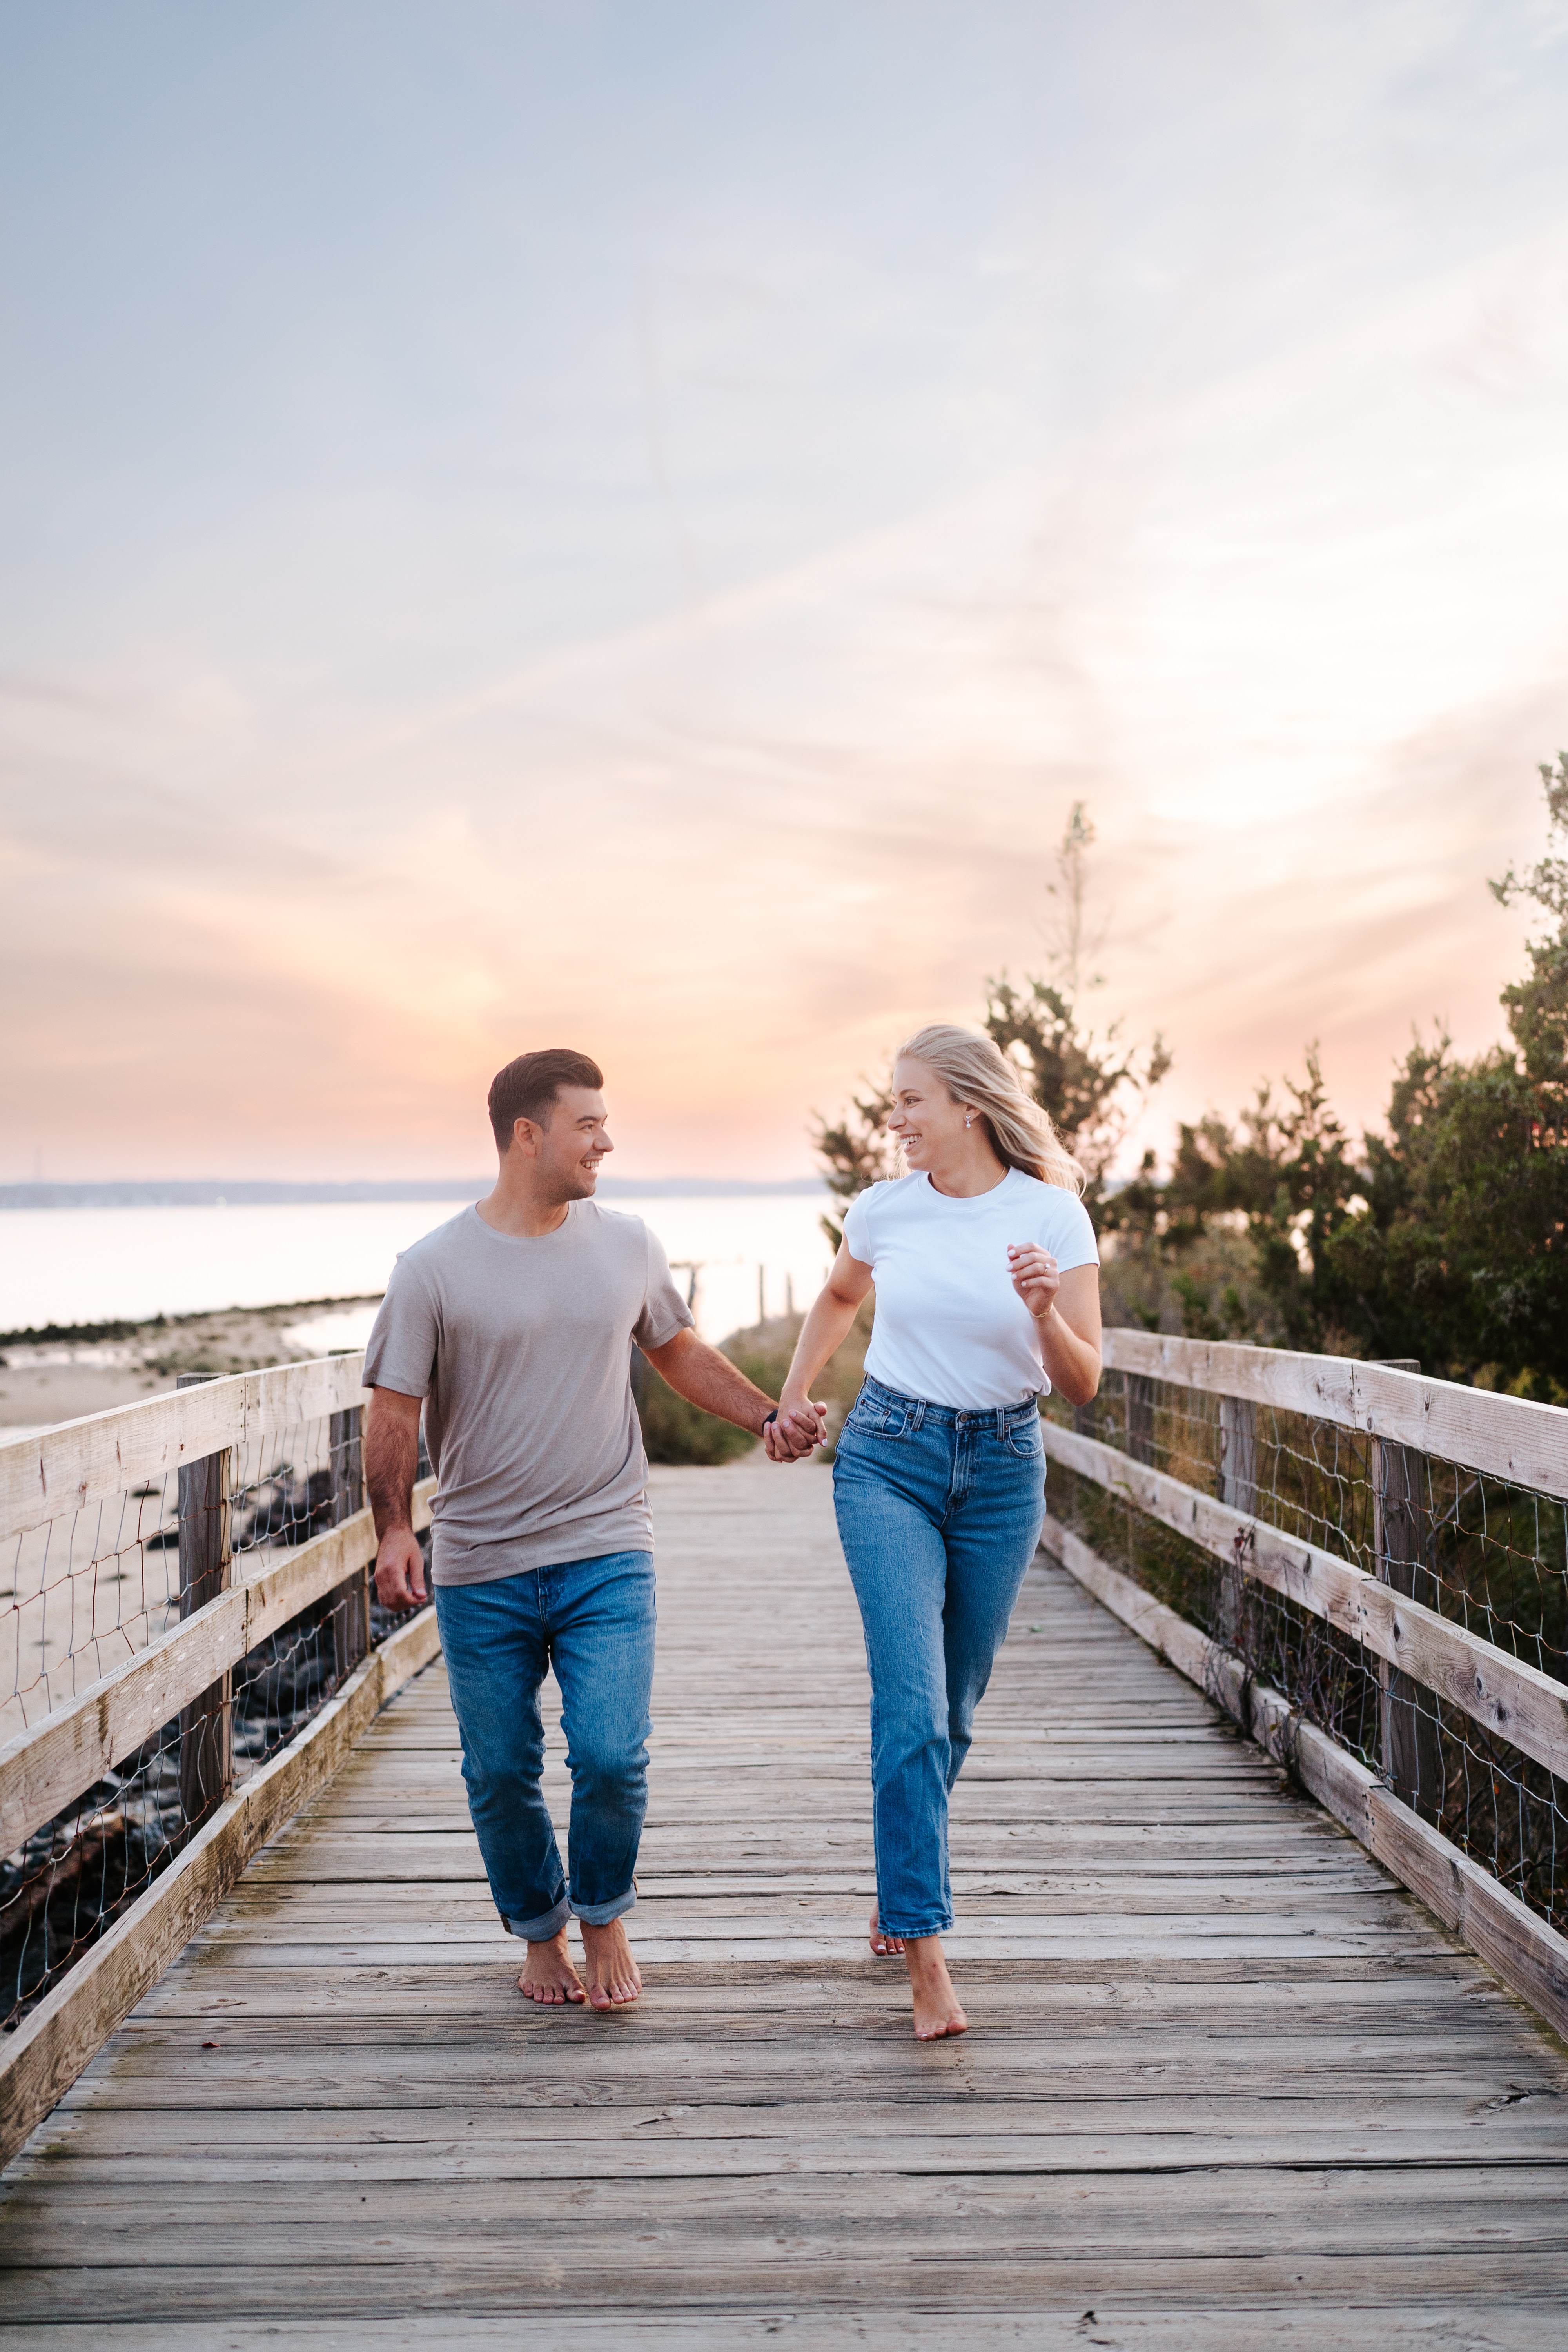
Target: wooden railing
x=177 y=1687
x=1412 y=1443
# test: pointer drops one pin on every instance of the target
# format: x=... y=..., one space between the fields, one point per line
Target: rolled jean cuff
x=599 y=1914
x=927 y=1928
x=539 y=1931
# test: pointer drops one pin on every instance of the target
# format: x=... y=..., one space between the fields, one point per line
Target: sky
x=632 y=525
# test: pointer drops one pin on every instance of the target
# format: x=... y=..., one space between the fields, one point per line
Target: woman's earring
x=970 y=1121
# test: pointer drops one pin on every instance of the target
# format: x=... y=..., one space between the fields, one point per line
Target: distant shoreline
x=64 y=1371
x=154 y=1327
x=238 y=1192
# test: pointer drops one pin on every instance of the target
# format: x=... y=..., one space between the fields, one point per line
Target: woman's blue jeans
x=938 y=1513
x=592 y=1620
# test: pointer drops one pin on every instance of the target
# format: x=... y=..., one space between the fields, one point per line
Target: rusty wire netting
x=1487 y=1555
x=82 y=1593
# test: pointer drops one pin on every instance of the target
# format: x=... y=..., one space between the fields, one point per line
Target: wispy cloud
x=690 y=645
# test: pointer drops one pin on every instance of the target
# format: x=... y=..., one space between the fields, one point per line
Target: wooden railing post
x=1239 y=1488
x=207 y=1725
x=350 y=1602
x=1139 y=1392
x=1411 y=1750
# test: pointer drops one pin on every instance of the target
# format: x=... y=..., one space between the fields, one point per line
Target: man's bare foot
x=550 y=1975
x=937 y=2010
x=611 y=1973
x=882 y=1945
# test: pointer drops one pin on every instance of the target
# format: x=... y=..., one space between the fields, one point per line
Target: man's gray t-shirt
x=520 y=1345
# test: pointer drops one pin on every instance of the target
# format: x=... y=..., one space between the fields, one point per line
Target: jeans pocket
x=1025 y=1440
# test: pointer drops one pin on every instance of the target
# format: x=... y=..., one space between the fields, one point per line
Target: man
x=511 y=1327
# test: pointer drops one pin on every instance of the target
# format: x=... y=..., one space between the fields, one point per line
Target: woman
x=987 y=1295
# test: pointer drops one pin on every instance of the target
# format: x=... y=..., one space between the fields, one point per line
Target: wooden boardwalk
x=1226 y=2084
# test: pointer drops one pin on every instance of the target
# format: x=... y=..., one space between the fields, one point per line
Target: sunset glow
x=631 y=528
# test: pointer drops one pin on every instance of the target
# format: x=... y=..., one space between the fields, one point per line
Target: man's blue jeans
x=939 y=1514
x=592 y=1620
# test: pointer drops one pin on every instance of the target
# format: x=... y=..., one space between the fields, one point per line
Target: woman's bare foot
x=611 y=1973
x=882 y=1945
x=548 y=1975
x=937 y=2010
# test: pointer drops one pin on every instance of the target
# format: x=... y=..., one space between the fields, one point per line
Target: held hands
x=400 y=1569
x=797 y=1431
x=1037 y=1277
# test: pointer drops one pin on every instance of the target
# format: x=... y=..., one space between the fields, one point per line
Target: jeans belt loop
x=920 y=1415
x=1002 y=1424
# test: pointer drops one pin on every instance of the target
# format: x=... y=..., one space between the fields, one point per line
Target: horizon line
x=260 y=1191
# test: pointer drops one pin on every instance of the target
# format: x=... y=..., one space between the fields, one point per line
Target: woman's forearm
x=1071 y=1361
x=826 y=1329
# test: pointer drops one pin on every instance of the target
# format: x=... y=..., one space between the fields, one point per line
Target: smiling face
x=926 y=1121
x=568 y=1145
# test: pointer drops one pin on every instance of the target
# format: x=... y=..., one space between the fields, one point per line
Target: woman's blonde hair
x=974 y=1070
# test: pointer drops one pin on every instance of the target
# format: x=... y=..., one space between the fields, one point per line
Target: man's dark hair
x=527 y=1088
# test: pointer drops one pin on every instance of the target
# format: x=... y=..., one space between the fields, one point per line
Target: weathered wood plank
x=1036 y=2295
x=743 y=2184
x=1327 y=2213
x=207 y=1723
x=82 y=1462
x=420 y=2079
x=1431 y=2319
x=650 y=2273
x=690 y=2140
x=1397 y=1996
x=1508 y=1436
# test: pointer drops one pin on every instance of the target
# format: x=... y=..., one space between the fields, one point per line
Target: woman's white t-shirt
x=950 y=1326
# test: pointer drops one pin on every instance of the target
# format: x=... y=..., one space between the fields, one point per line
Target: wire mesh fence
x=85 y=1591
x=1486 y=1554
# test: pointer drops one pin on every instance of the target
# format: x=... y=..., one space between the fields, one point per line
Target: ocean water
x=101 y=1265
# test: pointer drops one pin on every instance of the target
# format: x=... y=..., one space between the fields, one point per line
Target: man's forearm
x=705 y=1377
x=391 y=1461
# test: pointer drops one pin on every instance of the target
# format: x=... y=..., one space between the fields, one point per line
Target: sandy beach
x=40 y=1385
